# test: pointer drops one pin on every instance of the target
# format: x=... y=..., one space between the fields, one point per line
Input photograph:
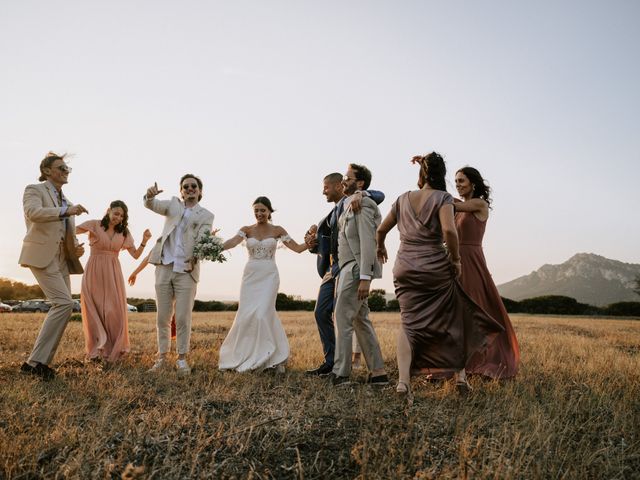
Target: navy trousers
x=324 y=317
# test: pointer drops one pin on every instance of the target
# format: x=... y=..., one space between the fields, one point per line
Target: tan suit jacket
x=357 y=240
x=201 y=220
x=46 y=229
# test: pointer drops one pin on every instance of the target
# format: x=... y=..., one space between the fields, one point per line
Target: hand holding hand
x=310 y=236
x=79 y=250
x=76 y=210
x=153 y=190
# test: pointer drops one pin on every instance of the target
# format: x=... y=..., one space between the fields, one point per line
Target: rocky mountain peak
x=587 y=277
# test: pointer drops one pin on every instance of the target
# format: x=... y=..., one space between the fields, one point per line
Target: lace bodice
x=264 y=249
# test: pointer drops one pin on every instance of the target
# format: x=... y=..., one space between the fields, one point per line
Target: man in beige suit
x=177 y=272
x=50 y=249
x=358 y=266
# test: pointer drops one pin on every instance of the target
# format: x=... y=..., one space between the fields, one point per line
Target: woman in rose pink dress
x=502 y=358
x=102 y=295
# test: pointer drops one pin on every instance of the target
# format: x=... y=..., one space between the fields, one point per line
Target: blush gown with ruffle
x=103 y=296
x=445 y=328
x=256 y=339
x=503 y=355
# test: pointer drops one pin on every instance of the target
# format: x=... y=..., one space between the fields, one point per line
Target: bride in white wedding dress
x=257 y=340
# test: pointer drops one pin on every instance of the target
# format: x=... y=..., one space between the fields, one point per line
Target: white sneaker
x=160 y=364
x=183 y=367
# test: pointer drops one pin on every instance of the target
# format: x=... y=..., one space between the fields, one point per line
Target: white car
x=131 y=308
x=4 y=308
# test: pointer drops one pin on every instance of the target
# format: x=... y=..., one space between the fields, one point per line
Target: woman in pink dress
x=502 y=358
x=102 y=295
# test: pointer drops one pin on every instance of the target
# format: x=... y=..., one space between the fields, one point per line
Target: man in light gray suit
x=50 y=249
x=177 y=272
x=358 y=266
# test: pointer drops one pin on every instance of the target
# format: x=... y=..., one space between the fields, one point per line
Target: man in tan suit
x=177 y=272
x=50 y=249
x=358 y=266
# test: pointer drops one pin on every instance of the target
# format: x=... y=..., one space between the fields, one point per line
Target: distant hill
x=587 y=277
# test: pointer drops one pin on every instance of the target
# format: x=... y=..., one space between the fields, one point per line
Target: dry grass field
x=573 y=411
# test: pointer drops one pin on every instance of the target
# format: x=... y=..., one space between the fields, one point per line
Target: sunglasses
x=187 y=186
x=64 y=168
x=347 y=179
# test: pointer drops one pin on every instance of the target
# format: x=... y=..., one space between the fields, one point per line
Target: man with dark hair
x=323 y=241
x=51 y=250
x=177 y=272
x=358 y=266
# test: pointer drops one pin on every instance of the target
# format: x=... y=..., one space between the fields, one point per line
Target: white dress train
x=256 y=339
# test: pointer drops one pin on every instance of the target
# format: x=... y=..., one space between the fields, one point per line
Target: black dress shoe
x=40 y=370
x=321 y=371
x=338 y=381
x=378 y=381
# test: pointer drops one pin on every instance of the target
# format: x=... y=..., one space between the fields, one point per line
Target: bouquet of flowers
x=209 y=247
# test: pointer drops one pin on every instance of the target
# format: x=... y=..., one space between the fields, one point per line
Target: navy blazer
x=323 y=246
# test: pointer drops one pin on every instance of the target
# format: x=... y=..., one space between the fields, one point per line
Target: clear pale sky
x=267 y=97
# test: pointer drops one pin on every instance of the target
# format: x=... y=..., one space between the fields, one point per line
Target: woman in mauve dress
x=502 y=358
x=442 y=328
x=102 y=295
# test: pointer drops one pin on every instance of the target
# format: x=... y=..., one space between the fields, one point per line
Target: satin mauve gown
x=503 y=355
x=445 y=328
x=103 y=296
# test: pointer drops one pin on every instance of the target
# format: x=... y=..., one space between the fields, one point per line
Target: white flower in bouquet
x=209 y=247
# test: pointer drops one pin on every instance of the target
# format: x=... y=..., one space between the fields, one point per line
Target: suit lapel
x=50 y=189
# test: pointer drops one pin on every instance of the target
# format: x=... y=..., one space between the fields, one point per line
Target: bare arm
x=450 y=235
x=475 y=205
x=80 y=230
x=236 y=240
x=291 y=243
x=136 y=252
x=385 y=227
x=143 y=264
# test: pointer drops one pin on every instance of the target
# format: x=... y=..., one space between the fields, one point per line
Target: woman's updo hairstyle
x=266 y=202
x=432 y=171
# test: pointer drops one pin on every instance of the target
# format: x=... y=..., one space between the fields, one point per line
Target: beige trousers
x=181 y=288
x=352 y=315
x=55 y=283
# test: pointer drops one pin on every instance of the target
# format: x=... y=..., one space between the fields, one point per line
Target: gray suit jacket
x=201 y=220
x=357 y=238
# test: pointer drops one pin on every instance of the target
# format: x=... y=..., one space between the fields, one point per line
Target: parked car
x=132 y=308
x=4 y=308
x=36 y=305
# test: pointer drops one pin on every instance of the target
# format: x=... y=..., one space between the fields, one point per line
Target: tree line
x=548 y=304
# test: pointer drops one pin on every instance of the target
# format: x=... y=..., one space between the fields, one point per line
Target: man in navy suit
x=323 y=241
